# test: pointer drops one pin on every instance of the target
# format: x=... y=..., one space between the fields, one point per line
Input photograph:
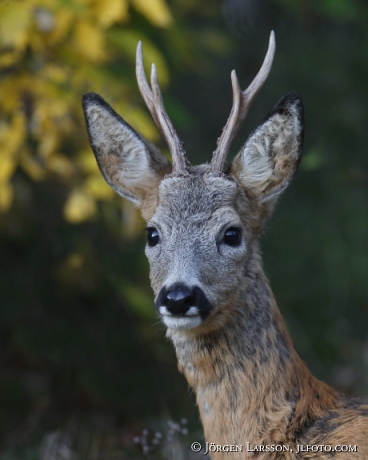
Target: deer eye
x=152 y=237
x=232 y=236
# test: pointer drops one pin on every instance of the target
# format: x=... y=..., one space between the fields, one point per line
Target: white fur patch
x=181 y=323
x=193 y=311
x=258 y=151
x=269 y=158
x=190 y=320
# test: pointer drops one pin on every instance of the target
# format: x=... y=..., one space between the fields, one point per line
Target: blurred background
x=84 y=365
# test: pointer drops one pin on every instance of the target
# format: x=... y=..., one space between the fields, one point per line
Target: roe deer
x=204 y=222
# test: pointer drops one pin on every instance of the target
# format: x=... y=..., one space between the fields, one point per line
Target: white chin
x=181 y=323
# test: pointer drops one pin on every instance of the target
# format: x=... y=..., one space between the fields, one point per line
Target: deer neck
x=250 y=384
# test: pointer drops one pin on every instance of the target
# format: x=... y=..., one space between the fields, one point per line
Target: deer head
x=202 y=222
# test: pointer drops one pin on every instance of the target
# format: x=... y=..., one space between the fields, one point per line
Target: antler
x=154 y=102
x=241 y=103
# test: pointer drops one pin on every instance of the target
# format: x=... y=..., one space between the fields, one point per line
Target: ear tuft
x=287 y=105
x=93 y=97
x=270 y=157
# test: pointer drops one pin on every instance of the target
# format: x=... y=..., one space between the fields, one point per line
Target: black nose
x=178 y=298
x=178 y=301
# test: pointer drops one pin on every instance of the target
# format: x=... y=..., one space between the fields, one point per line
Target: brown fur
x=260 y=391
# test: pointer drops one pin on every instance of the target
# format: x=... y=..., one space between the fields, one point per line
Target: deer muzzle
x=182 y=307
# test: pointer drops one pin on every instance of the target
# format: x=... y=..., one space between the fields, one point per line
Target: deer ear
x=270 y=157
x=130 y=164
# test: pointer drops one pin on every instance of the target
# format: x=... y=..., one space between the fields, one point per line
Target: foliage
x=51 y=52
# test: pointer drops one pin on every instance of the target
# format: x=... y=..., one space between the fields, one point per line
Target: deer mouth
x=189 y=320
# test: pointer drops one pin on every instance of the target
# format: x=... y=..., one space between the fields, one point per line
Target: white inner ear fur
x=272 y=145
x=122 y=156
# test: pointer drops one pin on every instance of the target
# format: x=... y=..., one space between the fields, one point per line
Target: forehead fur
x=195 y=194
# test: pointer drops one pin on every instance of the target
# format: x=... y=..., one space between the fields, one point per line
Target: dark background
x=80 y=343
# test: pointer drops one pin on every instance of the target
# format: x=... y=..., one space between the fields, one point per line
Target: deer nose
x=178 y=301
x=181 y=300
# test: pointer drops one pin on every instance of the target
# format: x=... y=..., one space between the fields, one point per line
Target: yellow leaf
x=56 y=73
x=32 y=166
x=89 y=40
x=9 y=58
x=15 y=19
x=11 y=139
x=8 y=165
x=127 y=39
x=83 y=2
x=6 y=195
x=98 y=188
x=79 y=207
x=49 y=118
x=10 y=94
x=60 y=164
x=110 y=12
x=63 y=20
x=156 y=11
x=87 y=161
x=48 y=143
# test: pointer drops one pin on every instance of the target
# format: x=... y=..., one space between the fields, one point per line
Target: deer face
x=202 y=224
x=197 y=245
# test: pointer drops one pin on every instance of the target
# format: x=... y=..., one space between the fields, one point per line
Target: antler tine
x=241 y=104
x=154 y=102
x=142 y=81
x=168 y=131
